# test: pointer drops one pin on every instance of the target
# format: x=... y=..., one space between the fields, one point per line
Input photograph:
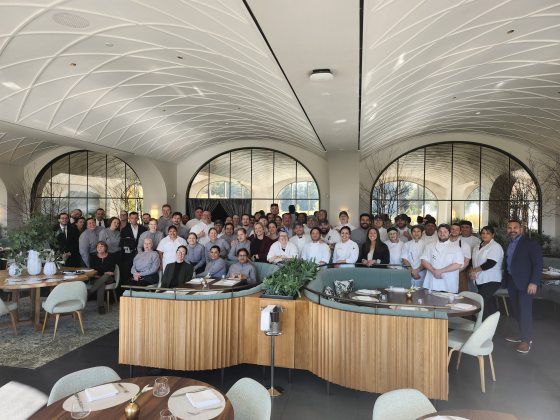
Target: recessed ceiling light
x=109 y=44
x=454 y=97
x=340 y=121
x=477 y=113
x=73 y=64
x=164 y=110
x=321 y=75
x=510 y=31
x=180 y=57
x=227 y=123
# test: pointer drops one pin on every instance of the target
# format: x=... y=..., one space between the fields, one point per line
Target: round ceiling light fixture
x=320 y=75
x=70 y=20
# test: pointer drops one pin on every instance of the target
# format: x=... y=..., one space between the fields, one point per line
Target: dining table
x=469 y=415
x=35 y=283
x=150 y=405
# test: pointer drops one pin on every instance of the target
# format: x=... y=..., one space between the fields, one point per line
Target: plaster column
x=344 y=186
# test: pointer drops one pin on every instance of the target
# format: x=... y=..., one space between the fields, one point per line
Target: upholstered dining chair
x=65 y=298
x=250 y=400
x=478 y=343
x=9 y=308
x=19 y=401
x=81 y=379
x=458 y=323
x=402 y=404
x=113 y=286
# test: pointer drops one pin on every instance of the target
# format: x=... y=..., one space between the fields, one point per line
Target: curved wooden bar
x=363 y=351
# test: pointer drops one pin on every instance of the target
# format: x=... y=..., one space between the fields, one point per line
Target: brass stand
x=272 y=391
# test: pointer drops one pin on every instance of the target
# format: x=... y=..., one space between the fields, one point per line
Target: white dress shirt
x=395 y=252
x=202 y=227
x=491 y=251
x=300 y=241
x=332 y=237
x=430 y=239
x=169 y=249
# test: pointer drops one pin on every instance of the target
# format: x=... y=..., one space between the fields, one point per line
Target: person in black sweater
x=178 y=273
x=373 y=250
x=104 y=263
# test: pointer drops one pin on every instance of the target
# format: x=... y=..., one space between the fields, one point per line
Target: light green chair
x=9 y=308
x=264 y=270
x=402 y=404
x=458 y=323
x=478 y=343
x=250 y=400
x=65 y=298
x=82 y=379
x=19 y=401
x=113 y=286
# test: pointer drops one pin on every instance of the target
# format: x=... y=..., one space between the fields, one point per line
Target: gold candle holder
x=132 y=410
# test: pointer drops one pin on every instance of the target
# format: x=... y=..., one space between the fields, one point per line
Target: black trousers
x=487 y=291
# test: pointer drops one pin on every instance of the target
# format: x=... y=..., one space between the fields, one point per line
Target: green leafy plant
x=37 y=234
x=290 y=278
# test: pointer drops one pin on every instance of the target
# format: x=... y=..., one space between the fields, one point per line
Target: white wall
x=344 y=171
x=10 y=180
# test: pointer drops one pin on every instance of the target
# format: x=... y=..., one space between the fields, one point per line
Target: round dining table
x=150 y=405
x=35 y=283
x=470 y=415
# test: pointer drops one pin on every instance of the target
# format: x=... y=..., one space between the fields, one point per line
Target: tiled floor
x=527 y=385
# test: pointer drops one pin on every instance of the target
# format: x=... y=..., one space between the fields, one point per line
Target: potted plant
x=286 y=282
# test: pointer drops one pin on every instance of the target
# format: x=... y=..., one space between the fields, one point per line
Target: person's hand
x=437 y=274
x=472 y=274
x=406 y=234
x=532 y=289
x=109 y=273
x=136 y=276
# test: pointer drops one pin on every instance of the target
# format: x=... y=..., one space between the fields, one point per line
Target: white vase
x=14 y=270
x=33 y=263
x=50 y=268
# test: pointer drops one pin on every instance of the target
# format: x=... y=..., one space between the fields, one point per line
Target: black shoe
x=102 y=310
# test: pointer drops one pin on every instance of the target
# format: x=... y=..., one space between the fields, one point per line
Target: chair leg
x=115 y=296
x=81 y=323
x=492 y=367
x=481 y=366
x=108 y=302
x=56 y=325
x=13 y=315
x=449 y=356
x=504 y=301
x=44 y=323
x=458 y=361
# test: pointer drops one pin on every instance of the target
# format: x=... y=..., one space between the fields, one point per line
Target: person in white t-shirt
x=454 y=236
x=467 y=235
x=442 y=260
x=316 y=250
x=401 y=224
x=395 y=246
x=282 y=249
x=167 y=247
x=300 y=238
x=430 y=236
x=196 y=220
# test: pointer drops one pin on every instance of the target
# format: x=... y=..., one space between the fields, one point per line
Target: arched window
x=254 y=179
x=457 y=180
x=87 y=181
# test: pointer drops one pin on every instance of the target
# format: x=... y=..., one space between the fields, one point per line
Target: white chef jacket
x=316 y=251
x=383 y=234
x=332 y=237
x=472 y=240
x=491 y=251
x=348 y=251
x=430 y=239
x=401 y=233
x=440 y=255
x=465 y=248
x=202 y=227
x=412 y=251
x=340 y=226
x=300 y=242
x=169 y=249
x=395 y=252
x=276 y=250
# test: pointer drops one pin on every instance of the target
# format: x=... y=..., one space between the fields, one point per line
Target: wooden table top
x=429 y=300
x=150 y=406
x=41 y=280
x=472 y=415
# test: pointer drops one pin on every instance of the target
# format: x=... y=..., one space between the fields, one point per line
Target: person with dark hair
x=130 y=235
x=146 y=220
x=240 y=243
x=243 y=269
x=100 y=219
x=330 y=236
x=80 y=224
x=196 y=253
x=467 y=234
x=67 y=237
x=401 y=223
x=282 y=249
x=411 y=256
x=260 y=243
x=299 y=239
x=216 y=266
x=167 y=247
x=201 y=229
x=165 y=219
x=228 y=233
x=152 y=233
x=430 y=236
x=273 y=231
x=75 y=215
x=274 y=209
x=343 y=218
x=112 y=237
x=442 y=260
x=213 y=240
x=145 y=266
x=104 y=263
x=374 y=251
x=287 y=224
x=378 y=223
x=88 y=241
x=346 y=251
x=246 y=224
x=486 y=269
x=123 y=217
x=177 y=273
x=302 y=218
x=522 y=277
x=316 y=250
x=395 y=246
x=196 y=219
x=182 y=231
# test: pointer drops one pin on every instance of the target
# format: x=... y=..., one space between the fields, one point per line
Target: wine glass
x=161 y=387
x=166 y=414
x=80 y=409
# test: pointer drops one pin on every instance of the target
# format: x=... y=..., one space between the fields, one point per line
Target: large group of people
x=174 y=248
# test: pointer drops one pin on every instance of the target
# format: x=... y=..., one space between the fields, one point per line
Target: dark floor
x=527 y=385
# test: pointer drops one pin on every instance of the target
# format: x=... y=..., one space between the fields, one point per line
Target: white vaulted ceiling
x=166 y=78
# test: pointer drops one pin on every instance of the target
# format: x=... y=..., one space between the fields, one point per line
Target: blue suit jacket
x=526 y=265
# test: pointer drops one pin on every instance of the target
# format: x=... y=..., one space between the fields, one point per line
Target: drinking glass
x=161 y=387
x=451 y=298
x=166 y=414
x=80 y=410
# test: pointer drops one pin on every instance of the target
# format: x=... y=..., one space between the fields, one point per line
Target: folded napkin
x=397 y=289
x=265 y=317
x=69 y=277
x=226 y=282
x=203 y=399
x=195 y=281
x=462 y=306
x=100 y=392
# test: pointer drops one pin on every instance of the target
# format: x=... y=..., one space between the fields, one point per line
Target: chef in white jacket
x=442 y=260
x=346 y=251
x=395 y=246
x=300 y=238
x=282 y=249
x=411 y=256
x=316 y=250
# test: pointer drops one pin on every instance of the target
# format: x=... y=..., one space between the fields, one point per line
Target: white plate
x=396 y=289
x=446 y=295
x=120 y=398
x=409 y=308
x=226 y=282
x=365 y=298
x=195 y=281
x=461 y=306
x=179 y=405
x=368 y=292
x=552 y=273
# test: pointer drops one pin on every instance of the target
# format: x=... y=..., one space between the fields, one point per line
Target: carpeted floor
x=31 y=350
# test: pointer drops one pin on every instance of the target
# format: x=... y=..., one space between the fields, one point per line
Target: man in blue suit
x=522 y=277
